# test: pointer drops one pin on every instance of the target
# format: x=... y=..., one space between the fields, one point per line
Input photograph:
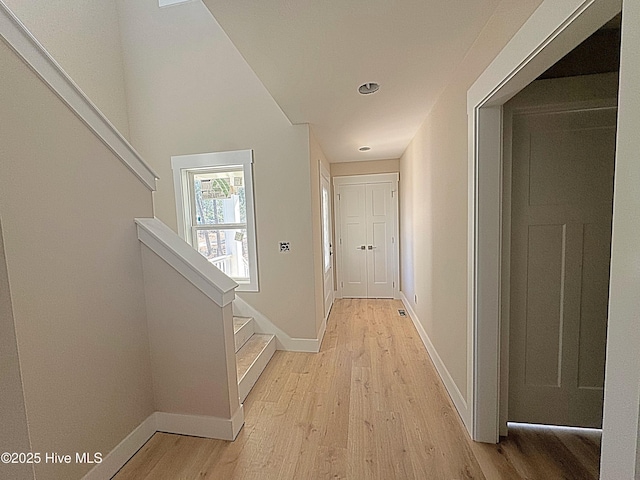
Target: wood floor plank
x=334 y=433
x=392 y=449
x=361 y=450
x=148 y=456
x=370 y=405
x=330 y=463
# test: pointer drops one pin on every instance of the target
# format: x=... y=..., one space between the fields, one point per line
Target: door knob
x=371 y=247
x=362 y=247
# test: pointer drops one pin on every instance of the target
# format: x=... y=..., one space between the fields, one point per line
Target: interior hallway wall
x=84 y=38
x=434 y=197
x=13 y=417
x=190 y=91
x=67 y=206
x=366 y=167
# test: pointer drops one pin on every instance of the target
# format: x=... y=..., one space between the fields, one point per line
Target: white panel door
x=367 y=226
x=380 y=224
x=353 y=240
x=561 y=235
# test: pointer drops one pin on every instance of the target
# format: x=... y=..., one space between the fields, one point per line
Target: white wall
x=84 y=38
x=67 y=206
x=367 y=167
x=621 y=435
x=189 y=359
x=190 y=91
x=13 y=417
x=433 y=199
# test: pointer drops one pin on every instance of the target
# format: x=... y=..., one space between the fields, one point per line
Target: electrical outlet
x=285 y=247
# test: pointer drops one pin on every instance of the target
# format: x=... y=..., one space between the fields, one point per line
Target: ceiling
x=312 y=55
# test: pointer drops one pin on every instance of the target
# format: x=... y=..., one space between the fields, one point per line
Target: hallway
x=369 y=405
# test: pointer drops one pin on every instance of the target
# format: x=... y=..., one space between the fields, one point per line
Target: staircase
x=253 y=352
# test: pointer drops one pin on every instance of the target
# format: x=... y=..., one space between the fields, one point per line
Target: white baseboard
x=323 y=329
x=304 y=345
x=194 y=425
x=121 y=454
x=452 y=389
x=264 y=325
x=200 y=425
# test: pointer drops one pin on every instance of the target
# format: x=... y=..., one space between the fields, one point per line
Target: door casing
x=328 y=288
x=553 y=30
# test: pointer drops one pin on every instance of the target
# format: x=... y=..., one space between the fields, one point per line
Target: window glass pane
x=220 y=197
x=226 y=249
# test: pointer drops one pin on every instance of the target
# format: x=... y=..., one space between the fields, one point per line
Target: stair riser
x=244 y=334
x=248 y=380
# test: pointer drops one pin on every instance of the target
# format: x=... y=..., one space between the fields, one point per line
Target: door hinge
x=393 y=239
x=342 y=284
x=340 y=241
x=393 y=284
x=392 y=193
x=338 y=196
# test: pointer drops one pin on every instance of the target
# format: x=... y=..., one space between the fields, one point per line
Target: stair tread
x=250 y=351
x=239 y=322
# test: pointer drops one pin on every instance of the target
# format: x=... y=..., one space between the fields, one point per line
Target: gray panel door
x=563 y=166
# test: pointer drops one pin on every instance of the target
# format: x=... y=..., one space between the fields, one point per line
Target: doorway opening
x=547 y=37
x=558 y=165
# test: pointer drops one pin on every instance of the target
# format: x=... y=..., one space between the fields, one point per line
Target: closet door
x=367 y=222
x=380 y=223
x=353 y=240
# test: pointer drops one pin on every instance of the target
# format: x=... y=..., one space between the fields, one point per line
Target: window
x=214 y=203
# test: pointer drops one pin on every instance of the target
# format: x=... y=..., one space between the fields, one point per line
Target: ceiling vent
x=364 y=148
x=368 y=88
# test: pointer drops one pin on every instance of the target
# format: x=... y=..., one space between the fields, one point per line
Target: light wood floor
x=368 y=406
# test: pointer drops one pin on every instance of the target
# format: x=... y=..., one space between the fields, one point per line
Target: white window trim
x=183 y=164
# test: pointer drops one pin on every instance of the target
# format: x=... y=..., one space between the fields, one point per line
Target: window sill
x=248 y=288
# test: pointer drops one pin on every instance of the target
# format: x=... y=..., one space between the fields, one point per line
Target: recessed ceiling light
x=364 y=149
x=368 y=88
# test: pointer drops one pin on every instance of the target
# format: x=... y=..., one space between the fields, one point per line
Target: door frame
x=325 y=175
x=392 y=178
x=554 y=29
